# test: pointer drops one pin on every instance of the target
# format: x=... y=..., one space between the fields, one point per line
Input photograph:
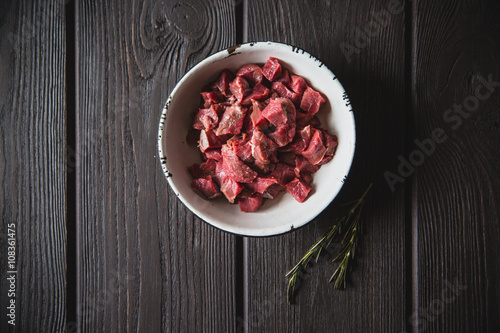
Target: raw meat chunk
x=251 y=72
x=204 y=169
x=277 y=111
x=259 y=93
x=272 y=191
x=272 y=69
x=298 y=189
x=316 y=150
x=285 y=77
x=251 y=203
x=331 y=146
x=283 y=173
x=263 y=148
x=312 y=101
x=232 y=120
x=301 y=140
x=211 y=97
x=298 y=84
x=260 y=184
x=243 y=149
x=240 y=88
x=208 y=140
x=284 y=134
x=230 y=189
x=206 y=187
x=257 y=118
x=235 y=168
x=302 y=165
x=221 y=84
x=283 y=91
x=208 y=118
x=213 y=154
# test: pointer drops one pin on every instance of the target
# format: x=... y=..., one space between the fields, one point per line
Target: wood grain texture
x=145 y=263
x=457 y=43
x=33 y=162
x=374 y=77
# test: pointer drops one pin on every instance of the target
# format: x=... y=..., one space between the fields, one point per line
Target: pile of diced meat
x=258 y=135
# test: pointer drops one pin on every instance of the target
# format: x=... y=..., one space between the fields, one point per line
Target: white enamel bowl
x=283 y=213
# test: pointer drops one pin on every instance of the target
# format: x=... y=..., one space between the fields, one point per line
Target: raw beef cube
x=259 y=93
x=283 y=173
x=239 y=88
x=274 y=113
x=316 y=149
x=247 y=122
x=331 y=146
x=312 y=101
x=230 y=189
x=283 y=91
x=298 y=189
x=222 y=82
x=260 y=184
x=213 y=154
x=208 y=118
x=307 y=178
x=331 y=143
x=235 y=168
x=272 y=191
x=263 y=148
x=204 y=169
x=283 y=134
x=220 y=173
x=209 y=140
x=302 y=139
x=243 y=149
x=251 y=72
x=272 y=69
x=298 y=84
x=232 y=120
x=228 y=186
x=257 y=118
x=302 y=165
x=211 y=97
x=285 y=78
x=198 y=119
x=303 y=119
x=250 y=204
x=205 y=187
x=279 y=111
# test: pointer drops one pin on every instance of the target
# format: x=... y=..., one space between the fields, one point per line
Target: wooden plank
x=32 y=164
x=458 y=185
x=374 y=77
x=145 y=263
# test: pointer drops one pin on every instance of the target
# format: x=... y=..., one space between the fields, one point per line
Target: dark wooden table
x=102 y=244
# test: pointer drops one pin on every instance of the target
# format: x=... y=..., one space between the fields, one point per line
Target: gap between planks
x=410 y=191
x=71 y=170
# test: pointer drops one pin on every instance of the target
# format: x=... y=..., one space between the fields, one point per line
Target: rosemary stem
x=347 y=228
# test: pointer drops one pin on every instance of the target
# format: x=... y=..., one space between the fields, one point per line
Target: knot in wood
x=188 y=19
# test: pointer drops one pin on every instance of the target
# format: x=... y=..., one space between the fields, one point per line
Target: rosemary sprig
x=348 y=226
